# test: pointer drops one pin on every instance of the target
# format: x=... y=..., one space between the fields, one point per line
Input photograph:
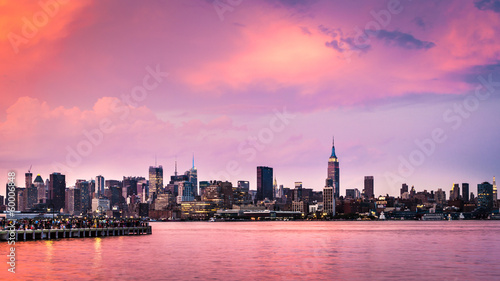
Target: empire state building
x=333 y=179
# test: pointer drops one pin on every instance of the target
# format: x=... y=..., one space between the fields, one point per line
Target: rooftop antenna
x=29 y=170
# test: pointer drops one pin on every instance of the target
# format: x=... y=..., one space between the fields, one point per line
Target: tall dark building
x=31 y=196
x=28 y=179
x=485 y=196
x=57 y=191
x=99 y=186
x=369 y=187
x=465 y=192
x=404 y=188
x=333 y=178
x=130 y=186
x=264 y=183
x=85 y=195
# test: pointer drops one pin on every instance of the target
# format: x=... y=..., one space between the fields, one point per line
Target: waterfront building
x=329 y=200
x=198 y=210
x=100 y=205
x=264 y=183
x=333 y=173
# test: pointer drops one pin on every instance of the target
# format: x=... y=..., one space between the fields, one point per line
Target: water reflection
x=97 y=254
x=274 y=250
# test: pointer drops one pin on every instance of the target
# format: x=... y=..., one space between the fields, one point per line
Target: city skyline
x=409 y=89
x=342 y=192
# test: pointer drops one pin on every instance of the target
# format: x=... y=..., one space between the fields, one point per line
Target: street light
x=53 y=209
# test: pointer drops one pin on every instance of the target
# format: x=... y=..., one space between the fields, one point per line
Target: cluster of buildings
x=183 y=197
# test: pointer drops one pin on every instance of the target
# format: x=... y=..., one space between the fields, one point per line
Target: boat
x=212 y=219
x=433 y=217
x=382 y=216
x=461 y=217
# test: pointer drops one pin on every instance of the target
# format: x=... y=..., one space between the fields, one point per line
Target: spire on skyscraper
x=193 y=161
x=333 y=149
x=175 y=173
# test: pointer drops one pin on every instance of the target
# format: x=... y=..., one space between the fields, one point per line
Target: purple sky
x=408 y=89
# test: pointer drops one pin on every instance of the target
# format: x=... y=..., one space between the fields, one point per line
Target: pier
x=49 y=234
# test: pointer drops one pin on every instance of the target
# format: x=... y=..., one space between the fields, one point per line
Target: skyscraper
x=404 y=188
x=485 y=196
x=156 y=180
x=28 y=179
x=369 y=193
x=73 y=201
x=193 y=178
x=455 y=192
x=85 y=195
x=465 y=192
x=275 y=188
x=41 y=189
x=329 y=200
x=264 y=183
x=57 y=191
x=333 y=178
x=30 y=192
x=99 y=184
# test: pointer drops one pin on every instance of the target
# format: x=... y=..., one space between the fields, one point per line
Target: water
x=382 y=250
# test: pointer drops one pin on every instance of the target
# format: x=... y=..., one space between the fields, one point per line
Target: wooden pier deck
x=48 y=234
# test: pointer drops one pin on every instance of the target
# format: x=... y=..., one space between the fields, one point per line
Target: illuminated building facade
x=333 y=178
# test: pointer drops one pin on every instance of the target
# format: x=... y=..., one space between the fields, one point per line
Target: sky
x=409 y=89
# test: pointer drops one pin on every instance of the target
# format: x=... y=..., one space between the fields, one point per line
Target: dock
x=49 y=234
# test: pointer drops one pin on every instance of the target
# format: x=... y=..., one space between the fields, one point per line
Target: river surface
x=352 y=250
